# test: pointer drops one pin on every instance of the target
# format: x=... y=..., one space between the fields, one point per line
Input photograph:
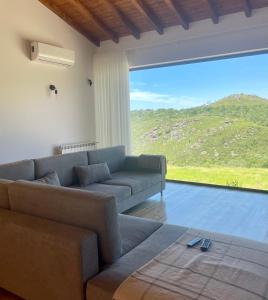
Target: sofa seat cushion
x=119 y=192
x=103 y=285
x=135 y=230
x=137 y=181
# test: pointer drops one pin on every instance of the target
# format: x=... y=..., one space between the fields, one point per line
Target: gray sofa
x=59 y=243
x=134 y=178
x=69 y=242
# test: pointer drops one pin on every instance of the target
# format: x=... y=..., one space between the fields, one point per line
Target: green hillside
x=231 y=132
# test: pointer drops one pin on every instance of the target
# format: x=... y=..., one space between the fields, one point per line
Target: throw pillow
x=92 y=173
x=51 y=178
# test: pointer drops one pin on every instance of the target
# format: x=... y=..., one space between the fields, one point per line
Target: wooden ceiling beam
x=213 y=12
x=88 y=14
x=53 y=7
x=124 y=19
x=177 y=10
x=247 y=8
x=148 y=13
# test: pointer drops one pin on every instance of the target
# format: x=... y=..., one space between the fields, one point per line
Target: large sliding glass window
x=210 y=119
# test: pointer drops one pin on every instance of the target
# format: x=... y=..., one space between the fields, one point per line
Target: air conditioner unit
x=51 y=54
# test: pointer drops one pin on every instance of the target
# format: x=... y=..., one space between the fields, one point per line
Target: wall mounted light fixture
x=52 y=87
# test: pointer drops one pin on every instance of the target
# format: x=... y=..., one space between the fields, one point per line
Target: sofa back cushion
x=23 y=169
x=93 y=211
x=63 y=165
x=113 y=156
x=4 y=200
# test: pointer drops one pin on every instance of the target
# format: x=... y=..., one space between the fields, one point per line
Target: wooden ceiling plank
x=148 y=13
x=247 y=8
x=177 y=10
x=213 y=12
x=124 y=19
x=54 y=8
x=88 y=14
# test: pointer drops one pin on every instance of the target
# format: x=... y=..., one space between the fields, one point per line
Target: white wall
x=33 y=121
x=234 y=33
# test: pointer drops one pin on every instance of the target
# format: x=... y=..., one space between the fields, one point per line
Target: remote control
x=194 y=242
x=205 y=245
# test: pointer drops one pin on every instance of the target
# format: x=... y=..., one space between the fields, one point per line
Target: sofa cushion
x=104 y=284
x=93 y=211
x=119 y=192
x=114 y=156
x=135 y=230
x=23 y=169
x=51 y=178
x=92 y=173
x=131 y=163
x=137 y=181
x=63 y=165
x=4 y=200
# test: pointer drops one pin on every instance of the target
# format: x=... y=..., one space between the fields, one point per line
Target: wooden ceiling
x=101 y=20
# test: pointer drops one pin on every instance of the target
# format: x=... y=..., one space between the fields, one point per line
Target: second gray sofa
x=133 y=178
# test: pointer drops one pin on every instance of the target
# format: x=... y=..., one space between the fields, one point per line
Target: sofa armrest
x=148 y=163
x=90 y=210
x=145 y=162
x=154 y=163
x=42 y=259
x=4 y=201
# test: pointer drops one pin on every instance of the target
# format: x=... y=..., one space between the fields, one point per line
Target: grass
x=256 y=178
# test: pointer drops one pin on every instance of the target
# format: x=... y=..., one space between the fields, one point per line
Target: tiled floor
x=235 y=212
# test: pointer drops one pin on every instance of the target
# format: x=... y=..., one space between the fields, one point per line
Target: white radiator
x=76 y=147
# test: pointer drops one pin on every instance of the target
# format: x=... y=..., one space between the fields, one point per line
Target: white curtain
x=112 y=103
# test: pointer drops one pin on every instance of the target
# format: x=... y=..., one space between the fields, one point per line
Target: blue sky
x=190 y=85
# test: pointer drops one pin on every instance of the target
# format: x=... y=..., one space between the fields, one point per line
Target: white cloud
x=165 y=99
x=138 y=83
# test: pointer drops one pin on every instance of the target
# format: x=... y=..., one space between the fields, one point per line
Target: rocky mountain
x=231 y=132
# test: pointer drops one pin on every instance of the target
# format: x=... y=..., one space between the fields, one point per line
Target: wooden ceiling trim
x=147 y=12
x=179 y=13
x=100 y=20
x=247 y=8
x=88 y=14
x=124 y=19
x=213 y=12
x=54 y=8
